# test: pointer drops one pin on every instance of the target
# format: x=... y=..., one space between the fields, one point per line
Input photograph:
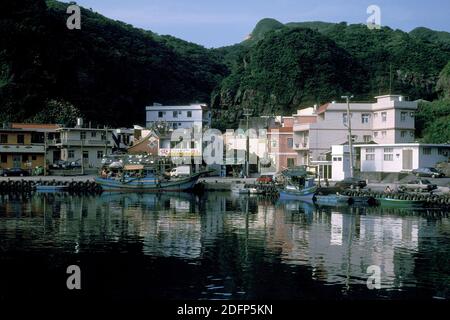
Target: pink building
x=281 y=145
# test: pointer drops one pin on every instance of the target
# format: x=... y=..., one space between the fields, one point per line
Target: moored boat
x=300 y=185
x=391 y=202
x=139 y=178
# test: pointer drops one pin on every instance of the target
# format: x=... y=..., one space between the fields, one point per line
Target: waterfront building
x=389 y=120
x=402 y=157
x=281 y=144
x=85 y=144
x=20 y=148
x=185 y=116
x=43 y=134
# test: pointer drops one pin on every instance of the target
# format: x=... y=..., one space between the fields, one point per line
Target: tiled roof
x=322 y=108
x=34 y=126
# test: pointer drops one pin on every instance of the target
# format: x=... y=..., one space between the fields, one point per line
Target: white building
x=401 y=157
x=178 y=116
x=389 y=120
x=89 y=144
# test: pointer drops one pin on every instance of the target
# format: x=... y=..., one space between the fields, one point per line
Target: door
x=407 y=160
x=17 y=161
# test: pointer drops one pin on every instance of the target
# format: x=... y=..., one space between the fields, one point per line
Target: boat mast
x=350 y=139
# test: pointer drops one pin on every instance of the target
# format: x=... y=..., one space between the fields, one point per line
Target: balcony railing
x=73 y=142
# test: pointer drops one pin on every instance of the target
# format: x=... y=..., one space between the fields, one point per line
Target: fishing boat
x=391 y=202
x=140 y=178
x=300 y=185
x=238 y=187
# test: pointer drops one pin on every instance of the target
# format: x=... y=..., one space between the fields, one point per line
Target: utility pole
x=247 y=113
x=45 y=154
x=350 y=139
x=82 y=157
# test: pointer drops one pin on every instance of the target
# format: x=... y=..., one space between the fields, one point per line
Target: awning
x=132 y=167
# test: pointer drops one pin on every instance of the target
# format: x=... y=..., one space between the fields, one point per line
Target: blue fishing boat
x=141 y=179
x=50 y=188
x=300 y=185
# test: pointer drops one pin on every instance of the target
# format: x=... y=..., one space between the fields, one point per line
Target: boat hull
x=387 y=202
x=148 y=185
x=304 y=194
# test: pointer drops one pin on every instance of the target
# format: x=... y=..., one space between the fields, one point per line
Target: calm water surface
x=217 y=246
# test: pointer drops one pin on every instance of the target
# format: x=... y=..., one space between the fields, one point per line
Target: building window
x=4 y=158
x=365 y=118
x=85 y=154
x=175 y=114
x=403 y=116
x=375 y=115
x=370 y=157
x=71 y=154
x=3 y=138
x=411 y=133
x=426 y=151
x=24 y=158
x=175 y=125
x=443 y=152
x=383 y=134
x=33 y=157
x=290 y=162
x=103 y=136
x=383 y=116
x=375 y=134
x=274 y=143
x=290 y=143
x=82 y=135
x=354 y=138
x=93 y=134
x=367 y=138
x=344 y=118
x=388 y=154
x=189 y=114
x=160 y=114
x=20 y=139
x=403 y=133
x=370 y=150
x=99 y=154
x=411 y=114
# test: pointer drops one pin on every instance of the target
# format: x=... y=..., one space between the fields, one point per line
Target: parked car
x=419 y=185
x=61 y=164
x=15 y=172
x=428 y=172
x=350 y=183
x=264 y=179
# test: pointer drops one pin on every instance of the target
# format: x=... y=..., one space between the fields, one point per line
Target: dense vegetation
x=108 y=70
x=282 y=68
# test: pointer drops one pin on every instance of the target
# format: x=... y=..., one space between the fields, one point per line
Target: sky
x=214 y=23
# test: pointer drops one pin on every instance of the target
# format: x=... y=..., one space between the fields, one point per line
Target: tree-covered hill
x=283 y=68
x=108 y=70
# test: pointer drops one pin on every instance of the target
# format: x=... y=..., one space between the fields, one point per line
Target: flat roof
x=403 y=145
x=184 y=107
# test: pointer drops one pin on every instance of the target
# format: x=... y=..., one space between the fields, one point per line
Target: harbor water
x=218 y=246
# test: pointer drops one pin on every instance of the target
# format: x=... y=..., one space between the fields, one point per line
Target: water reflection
x=240 y=247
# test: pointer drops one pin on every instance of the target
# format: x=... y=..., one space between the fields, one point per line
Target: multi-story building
x=44 y=134
x=281 y=144
x=389 y=120
x=84 y=144
x=178 y=116
x=20 y=149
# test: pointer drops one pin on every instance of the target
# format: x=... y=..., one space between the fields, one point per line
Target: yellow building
x=20 y=148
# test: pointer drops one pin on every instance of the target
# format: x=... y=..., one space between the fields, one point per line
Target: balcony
x=78 y=143
x=301 y=146
x=20 y=148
